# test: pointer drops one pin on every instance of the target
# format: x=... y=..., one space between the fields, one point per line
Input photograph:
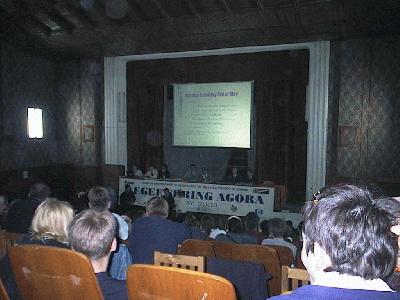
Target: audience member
x=164 y=173
x=99 y=199
x=127 y=198
x=167 y=195
x=92 y=233
x=207 y=225
x=251 y=224
x=235 y=233
x=20 y=214
x=180 y=202
x=264 y=228
x=155 y=232
x=193 y=224
x=348 y=245
x=49 y=228
x=277 y=229
x=151 y=173
x=288 y=236
x=3 y=210
x=192 y=174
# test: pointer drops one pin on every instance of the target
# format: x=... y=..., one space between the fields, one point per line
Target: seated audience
x=207 y=226
x=92 y=233
x=100 y=199
x=3 y=210
x=193 y=224
x=289 y=231
x=20 y=214
x=235 y=233
x=49 y=228
x=155 y=232
x=251 y=224
x=164 y=173
x=152 y=173
x=277 y=229
x=50 y=224
x=348 y=245
x=264 y=228
x=192 y=174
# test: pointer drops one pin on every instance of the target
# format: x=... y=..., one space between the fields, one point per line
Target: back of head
x=207 y=223
x=353 y=228
x=277 y=227
x=157 y=206
x=264 y=227
x=39 y=191
x=99 y=198
x=190 y=220
x=92 y=233
x=234 y=225
x=51 y=220
x=252 y=220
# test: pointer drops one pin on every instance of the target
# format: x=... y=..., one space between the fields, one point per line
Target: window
x=35 y=123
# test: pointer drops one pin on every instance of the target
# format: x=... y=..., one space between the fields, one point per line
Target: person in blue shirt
x=349 y=247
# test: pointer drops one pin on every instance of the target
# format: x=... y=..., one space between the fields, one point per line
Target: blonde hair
x=51 y=220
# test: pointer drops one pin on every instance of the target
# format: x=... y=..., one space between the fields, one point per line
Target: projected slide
x=213 y=114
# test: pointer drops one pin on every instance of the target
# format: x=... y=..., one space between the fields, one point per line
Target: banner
x=205 y=197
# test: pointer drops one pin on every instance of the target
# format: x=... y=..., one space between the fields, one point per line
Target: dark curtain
x=146 y=120
x=281 y=135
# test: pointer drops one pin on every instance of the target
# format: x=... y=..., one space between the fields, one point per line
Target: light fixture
x=35 y=123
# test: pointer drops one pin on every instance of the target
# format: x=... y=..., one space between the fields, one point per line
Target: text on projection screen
x=213 y=114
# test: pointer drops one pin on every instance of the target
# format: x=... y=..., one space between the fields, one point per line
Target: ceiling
x=94 y=28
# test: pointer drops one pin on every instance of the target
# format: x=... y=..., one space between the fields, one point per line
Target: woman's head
x=347 y=230
x=51 y=220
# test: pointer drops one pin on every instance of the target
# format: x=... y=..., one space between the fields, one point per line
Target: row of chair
x=272 y=257
x=40 y=275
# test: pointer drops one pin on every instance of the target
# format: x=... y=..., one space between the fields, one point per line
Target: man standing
x=155 y=232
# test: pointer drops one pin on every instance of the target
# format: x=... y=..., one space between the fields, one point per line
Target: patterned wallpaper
x=70 y=94
x=26 y=81
x=79 y=89
x=364 y=104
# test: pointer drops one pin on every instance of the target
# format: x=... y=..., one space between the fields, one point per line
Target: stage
x=211 y=198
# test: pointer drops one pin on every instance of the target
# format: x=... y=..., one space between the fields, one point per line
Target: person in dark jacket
x=92 y=233
x=155 y=232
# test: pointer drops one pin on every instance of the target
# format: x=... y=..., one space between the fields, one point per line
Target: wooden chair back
x=223 y=250
x=194 y=263
x=7 y=240
x=293 y=276
x=3 y=292
x=43 y=272
x=263 y=255
x=156 y=282
x=285 y=254
x=196 y=248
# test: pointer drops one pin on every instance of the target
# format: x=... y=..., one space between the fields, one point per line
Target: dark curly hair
x=353 y=227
